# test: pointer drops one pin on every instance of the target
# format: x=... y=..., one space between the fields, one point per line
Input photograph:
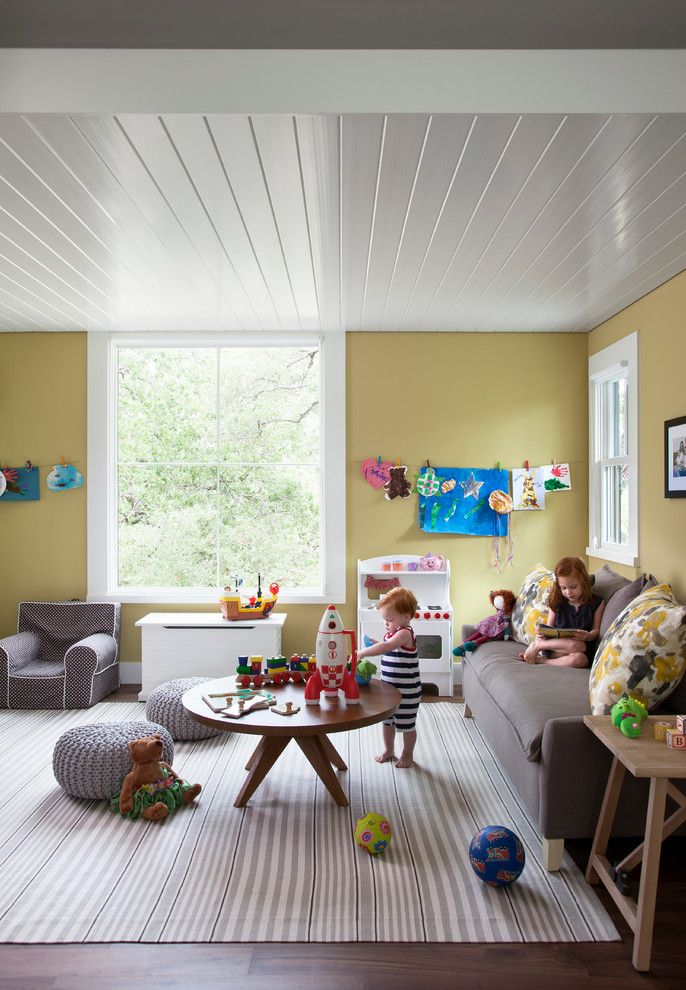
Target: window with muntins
x=613 y=486
x=216 y=467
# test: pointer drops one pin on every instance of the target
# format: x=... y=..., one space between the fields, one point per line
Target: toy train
x=254 y=672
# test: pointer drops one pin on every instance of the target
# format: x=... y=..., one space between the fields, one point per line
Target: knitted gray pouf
x=164 y=706
x=90 y=761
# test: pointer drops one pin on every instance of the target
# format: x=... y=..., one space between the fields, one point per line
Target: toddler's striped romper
x=401 y=669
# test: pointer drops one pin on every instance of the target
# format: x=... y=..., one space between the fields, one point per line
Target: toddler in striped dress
x=399 y=667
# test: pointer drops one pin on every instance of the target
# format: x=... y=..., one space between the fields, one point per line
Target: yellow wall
x=659 y=319
x=42 y=417
x=464 y=400
x=456 y=399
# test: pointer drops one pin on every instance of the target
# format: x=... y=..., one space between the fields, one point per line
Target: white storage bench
x=201 y=644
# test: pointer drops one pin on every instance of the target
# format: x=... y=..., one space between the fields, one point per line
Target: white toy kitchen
x=433 y=620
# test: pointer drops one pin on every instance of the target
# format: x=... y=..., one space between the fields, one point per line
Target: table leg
x=606 y=818
x=255 y=755
x=315 y=752
x=332 y=754
x=647 y=891
x=261 y=762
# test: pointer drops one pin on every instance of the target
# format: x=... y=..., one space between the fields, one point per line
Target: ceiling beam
x=105 y=81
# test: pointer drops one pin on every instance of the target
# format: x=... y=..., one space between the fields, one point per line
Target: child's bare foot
x=404 y=762
x=384 y=757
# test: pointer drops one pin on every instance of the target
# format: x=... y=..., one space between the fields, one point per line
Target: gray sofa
x=532 y=719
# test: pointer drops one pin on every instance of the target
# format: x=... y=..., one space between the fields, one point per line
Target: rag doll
x=493 y=626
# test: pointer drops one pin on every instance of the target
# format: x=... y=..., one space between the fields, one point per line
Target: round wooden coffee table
x=310 y=728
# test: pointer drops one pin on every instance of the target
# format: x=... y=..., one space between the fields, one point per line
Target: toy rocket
x=332 y=661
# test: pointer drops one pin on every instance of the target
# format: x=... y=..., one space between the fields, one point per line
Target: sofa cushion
x=622 y=598
x=607 y=582
x=528 y=695
x=643 y=653
x=532 y=604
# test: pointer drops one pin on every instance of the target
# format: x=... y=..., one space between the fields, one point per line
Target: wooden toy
x=660 y=729
x=253 y=672
x=286 y=709
x=676 y=740
x=681 y=724
x=243 y=706
x=219 y=702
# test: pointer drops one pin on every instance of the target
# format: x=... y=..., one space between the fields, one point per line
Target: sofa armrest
x=467 y=632
x=100 y=647
x=20 y=649
x=574 y=770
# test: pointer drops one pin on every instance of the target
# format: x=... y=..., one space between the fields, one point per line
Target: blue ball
x=496 y=855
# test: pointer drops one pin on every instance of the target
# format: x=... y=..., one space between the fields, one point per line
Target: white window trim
x=101 y=489
x=619 y=358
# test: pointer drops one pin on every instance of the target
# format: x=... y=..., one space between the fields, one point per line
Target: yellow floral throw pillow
x=643 y=653
x=532 y=604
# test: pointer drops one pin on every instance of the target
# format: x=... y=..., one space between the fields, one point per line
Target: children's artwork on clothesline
x=398 y=484
x=456 y=500
x=21 y=484
x=64 y=477
x=376 y=472
x=556 y=477
x=528 y=488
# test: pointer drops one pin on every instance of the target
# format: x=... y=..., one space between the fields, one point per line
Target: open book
x=550 y=632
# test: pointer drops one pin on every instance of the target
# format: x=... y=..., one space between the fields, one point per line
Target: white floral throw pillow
x=643 y=653
x=532 y=604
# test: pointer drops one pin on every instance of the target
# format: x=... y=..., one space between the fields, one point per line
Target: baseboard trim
x=130 y=671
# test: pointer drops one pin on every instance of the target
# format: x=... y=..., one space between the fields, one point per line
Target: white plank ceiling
x=398 y=222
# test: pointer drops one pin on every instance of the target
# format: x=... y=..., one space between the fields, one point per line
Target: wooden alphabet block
x=660 y=729
x=676 y=740
x=681 y=724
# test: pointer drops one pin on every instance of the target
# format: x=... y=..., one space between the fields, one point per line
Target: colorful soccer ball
x=373 y=832
x=496 y=855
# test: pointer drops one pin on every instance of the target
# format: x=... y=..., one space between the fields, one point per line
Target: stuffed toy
x=152 y=790
x=493 y=626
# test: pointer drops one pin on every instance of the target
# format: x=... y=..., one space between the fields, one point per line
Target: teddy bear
x=493 y=626
x=152 y=789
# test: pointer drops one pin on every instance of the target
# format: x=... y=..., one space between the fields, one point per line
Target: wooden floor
x=372 y=966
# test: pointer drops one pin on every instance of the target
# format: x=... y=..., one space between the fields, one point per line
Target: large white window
x=613 y=452
x=211 y=458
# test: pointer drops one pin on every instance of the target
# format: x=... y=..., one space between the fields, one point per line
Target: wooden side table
x=643 y=757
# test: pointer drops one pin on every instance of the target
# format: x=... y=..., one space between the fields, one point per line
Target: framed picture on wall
x=675 y=458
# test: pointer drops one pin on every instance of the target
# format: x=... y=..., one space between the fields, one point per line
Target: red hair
x=401 y=599
x=570 y=567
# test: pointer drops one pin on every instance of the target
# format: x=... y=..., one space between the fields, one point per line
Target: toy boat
x=232 y=608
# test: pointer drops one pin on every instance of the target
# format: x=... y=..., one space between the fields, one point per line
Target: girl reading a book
x=571 y=635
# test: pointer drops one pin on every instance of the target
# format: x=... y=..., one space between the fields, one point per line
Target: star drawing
x=471 y=486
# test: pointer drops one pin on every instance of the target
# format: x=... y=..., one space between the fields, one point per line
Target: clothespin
x=497 y=464
x=62 y=461
x=398 y=462
x=378 y=461
x=526 y=465
x=427 y=463
x=29 y=466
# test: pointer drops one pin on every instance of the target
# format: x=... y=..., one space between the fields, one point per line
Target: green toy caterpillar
x=628 y=714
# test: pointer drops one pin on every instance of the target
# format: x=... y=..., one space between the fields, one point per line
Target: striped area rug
x=285 y=868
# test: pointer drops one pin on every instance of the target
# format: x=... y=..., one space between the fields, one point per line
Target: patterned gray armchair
x=64 y=655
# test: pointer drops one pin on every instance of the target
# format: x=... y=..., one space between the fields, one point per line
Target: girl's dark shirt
x=569 y=617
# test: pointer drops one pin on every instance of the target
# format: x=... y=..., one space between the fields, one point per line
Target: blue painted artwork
x=64 y=477
x=20 y=485
x=459 y=503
